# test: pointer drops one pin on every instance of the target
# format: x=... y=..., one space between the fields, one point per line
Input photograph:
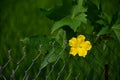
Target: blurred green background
x=23 y=18
x=19 y=19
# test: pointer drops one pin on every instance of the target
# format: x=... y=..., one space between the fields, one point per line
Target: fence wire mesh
x=94 y=67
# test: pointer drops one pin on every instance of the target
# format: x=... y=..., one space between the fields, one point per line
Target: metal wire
x=63 y=68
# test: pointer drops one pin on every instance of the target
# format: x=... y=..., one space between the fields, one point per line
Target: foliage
x=59 y=21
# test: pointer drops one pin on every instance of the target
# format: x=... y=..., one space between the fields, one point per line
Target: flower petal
x=82 y=52
x=87 y=45
x=73 y=51
x=80 y=39
x=72 y=42
x=79 y=46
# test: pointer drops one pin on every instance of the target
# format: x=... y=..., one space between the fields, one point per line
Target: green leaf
x=106 y=18
x=77 y=9
x=49 y=45
x=101 y=22
x=97 y=3
x=74 y=20
x=110 y=7
x=53 y=55
x=61 y=36
x=116 y=29
x=35 y=41
x=85 y=29
x=74 y=23
x=104 y=30
x=59 y=10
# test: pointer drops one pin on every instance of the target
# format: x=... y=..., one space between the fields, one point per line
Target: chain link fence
x=95 y=66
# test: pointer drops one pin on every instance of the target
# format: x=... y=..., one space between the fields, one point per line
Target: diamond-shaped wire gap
x=41 y=73
x=6 y=66
x=111 y=50
x=99 y=55
x=9 y=59
x=50 y=69
x=18 y=63
x=115 y=58
x=32 y=63
x=77 y=64
x=95 y=62
x=113 y=69
x=65 y=74
x=68 y=77
x=60 y=74
x=16 y=55
x=87 y=63
x=47 y=60
x=86 y=69
x=98 y=67
x=57 y=67
x=109 y=62
x=18 y=71
x=107 y=58
x=81 y=74
x=58 y=57
x=99 y=52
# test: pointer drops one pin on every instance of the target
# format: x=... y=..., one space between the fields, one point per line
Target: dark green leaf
x=77 y=9
x=104 y=30
x=116 y=29
x=36 y=41
x=53 y=55
x=74 y=23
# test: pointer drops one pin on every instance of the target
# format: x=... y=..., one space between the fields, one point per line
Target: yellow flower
x=79 y=46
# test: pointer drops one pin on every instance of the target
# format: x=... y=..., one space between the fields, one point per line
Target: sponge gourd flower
x=79 y=46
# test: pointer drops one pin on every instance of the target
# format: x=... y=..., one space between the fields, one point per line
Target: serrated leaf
x=59 y=10
x=101 y=22
x=97 y=3
x=104 y=30
x=86 y=28
x=61 y=35
x=49 y=45
x=77 y=9
x=106 y=18
x=74 y=23
x=110 y=7
x=35 y=41
x=116 y=29
x=53 y=55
